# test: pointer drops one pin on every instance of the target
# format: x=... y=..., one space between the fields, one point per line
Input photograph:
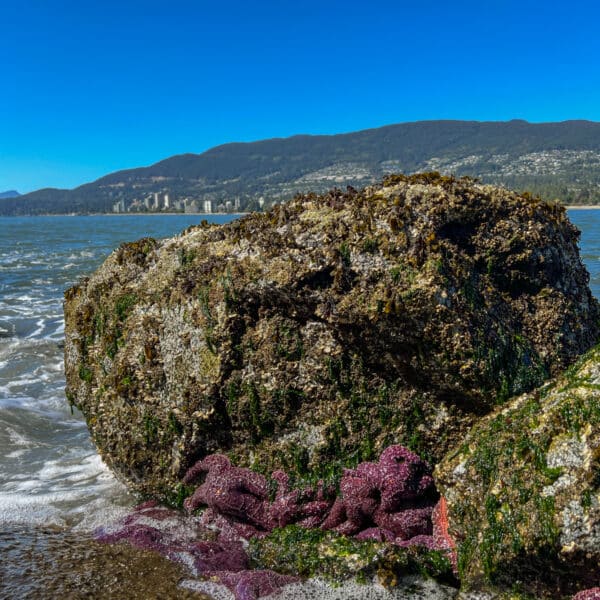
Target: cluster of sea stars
x=392 y=500
x=389 y=500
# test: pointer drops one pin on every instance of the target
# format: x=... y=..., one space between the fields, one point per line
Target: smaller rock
x=523 y=490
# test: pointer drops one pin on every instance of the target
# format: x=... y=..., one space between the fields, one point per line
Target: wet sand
x=52 y=563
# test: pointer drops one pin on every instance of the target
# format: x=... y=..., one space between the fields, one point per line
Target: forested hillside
x=555 y=160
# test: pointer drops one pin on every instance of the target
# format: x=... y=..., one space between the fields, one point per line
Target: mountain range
x=555 y=160
x=9 y=194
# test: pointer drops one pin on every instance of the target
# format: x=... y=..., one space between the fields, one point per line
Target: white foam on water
x=24 y=381
x=114 y=505
x=10 y=401
x=18 y=446
x=53 y=407
x=215 y=590
x=8 y=348
x=39 y=329
x=34 y=508
x=15 y=454
x=79 y=492
x=25 y=300
x=80 y=254
x=7 y=329
x=9 y=313
x=30 y=367
x=65 y=509
x=26 y=486
x=75 y=470
x=18 y=439
x=49 y=371
x=20 y=347
x=40 y=281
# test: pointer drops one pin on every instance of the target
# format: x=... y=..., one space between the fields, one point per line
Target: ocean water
x=588 y=222
x=51 y=478
x=50 y=473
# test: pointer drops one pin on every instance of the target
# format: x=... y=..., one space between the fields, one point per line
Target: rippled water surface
x=588 y=221
x=50 y=474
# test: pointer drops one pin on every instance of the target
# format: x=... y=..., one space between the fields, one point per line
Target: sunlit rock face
x=523 y=490
x=315 y=335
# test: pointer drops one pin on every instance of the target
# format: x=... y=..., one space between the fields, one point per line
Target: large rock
x=523 y=490
x=319 y=333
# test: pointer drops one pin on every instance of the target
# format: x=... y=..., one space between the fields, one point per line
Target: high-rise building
x=192 y=206
x=119 y=207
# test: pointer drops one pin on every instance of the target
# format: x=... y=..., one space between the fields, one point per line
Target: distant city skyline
x=87 y=90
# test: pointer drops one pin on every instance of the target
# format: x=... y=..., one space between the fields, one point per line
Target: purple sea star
x=232 y=491
x=395 y=495
x=591 y=594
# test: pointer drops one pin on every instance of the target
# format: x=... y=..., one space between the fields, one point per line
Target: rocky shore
x=411 y=322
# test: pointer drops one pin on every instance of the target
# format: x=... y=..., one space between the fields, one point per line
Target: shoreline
x=582 y=206
x=204 y=214
x=158 y=214
x=154 y=214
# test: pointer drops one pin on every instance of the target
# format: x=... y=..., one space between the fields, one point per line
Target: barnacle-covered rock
x=523 y=490
x=315 y=335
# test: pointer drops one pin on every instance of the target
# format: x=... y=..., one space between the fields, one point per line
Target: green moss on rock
x=315 y=553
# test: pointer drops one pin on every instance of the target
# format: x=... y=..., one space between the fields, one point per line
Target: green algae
x=509 y=493
x=151 y=428
x=315 y=553
x=85 y=374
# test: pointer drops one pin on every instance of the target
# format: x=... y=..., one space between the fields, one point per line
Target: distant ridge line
x=556 y=160
x=9 y=194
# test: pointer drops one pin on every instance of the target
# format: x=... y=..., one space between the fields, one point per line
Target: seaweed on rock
x=523 y=489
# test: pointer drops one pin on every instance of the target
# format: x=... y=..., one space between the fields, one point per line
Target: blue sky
x=87 y=88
